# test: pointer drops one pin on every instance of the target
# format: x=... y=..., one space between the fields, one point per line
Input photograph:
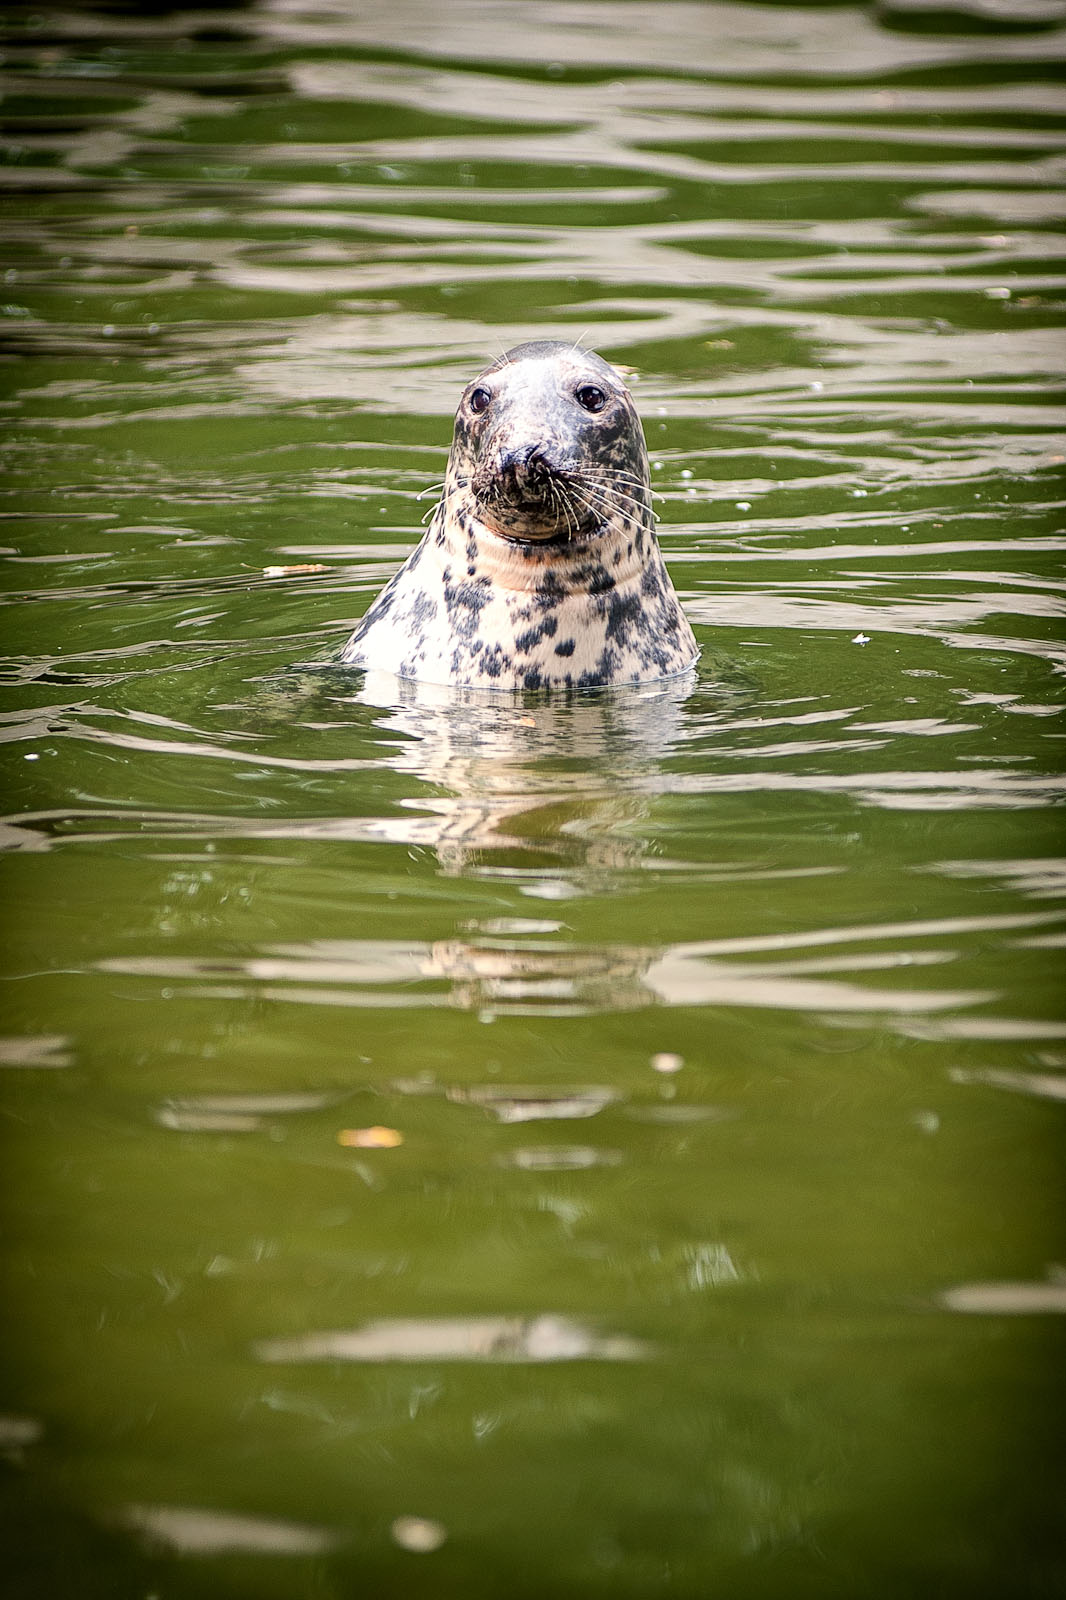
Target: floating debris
x=370 y=1138
x=295 y=571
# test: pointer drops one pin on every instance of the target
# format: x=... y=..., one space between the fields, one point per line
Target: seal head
x=540 y=568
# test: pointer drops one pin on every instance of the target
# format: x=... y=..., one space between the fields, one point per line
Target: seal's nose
x=525 y=468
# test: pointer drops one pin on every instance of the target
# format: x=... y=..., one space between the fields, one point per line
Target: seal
x=540 y=568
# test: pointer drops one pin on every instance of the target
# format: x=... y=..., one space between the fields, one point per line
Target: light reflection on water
x=562 y=980
x=702 y=1046
x=543 y=1338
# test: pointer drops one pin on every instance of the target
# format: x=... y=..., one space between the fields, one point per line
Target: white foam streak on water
x=504 y=1339
x=747 y=40
x=193 y=1531
x=1006 y=1299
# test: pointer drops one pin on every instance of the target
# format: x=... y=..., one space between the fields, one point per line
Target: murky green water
x=525 y=1148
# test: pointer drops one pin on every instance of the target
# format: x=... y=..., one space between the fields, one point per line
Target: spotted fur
x=540 y=568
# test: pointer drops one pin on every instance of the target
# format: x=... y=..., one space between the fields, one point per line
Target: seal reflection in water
x=540 y=568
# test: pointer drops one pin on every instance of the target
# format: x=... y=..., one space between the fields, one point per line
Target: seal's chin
x=536 y=523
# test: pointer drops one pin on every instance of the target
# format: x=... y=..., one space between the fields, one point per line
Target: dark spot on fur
x=424 y=610
x=623 y=613
x=566 y=648
x=651 y=583
x=465 y=602
x=533 y=636
x=550 y=592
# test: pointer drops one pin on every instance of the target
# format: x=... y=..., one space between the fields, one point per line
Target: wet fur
x=540 y=568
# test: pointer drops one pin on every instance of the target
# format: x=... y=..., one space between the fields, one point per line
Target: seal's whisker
x=622 y=499
x=615 y=475
x=554 y=501
x=620 y=475
x=610 y=501
x=577 y=489
x=573 y=522
x=622 y=485
x=430 y=488
x=562 y=500
x=588 y=506
x=596 y=505
x=593 y=496
x=450 y=490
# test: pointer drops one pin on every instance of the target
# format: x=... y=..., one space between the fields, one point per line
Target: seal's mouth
x=527 y=499
x=540 y=525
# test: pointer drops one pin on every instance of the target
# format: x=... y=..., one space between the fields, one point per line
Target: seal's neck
x=598 y=560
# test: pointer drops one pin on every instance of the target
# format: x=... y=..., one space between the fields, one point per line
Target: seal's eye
x=480 y=400
x=590 y=397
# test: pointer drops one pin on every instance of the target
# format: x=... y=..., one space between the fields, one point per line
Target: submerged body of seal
x=540 y=568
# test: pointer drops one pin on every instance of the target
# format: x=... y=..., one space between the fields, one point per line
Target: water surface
x=464 y=1145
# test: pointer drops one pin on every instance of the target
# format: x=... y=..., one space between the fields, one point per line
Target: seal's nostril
x=525 y=464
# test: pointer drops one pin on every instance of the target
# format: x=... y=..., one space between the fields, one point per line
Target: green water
x=715 y=1244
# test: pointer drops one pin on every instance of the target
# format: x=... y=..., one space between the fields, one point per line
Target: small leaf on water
x=370 y=1138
